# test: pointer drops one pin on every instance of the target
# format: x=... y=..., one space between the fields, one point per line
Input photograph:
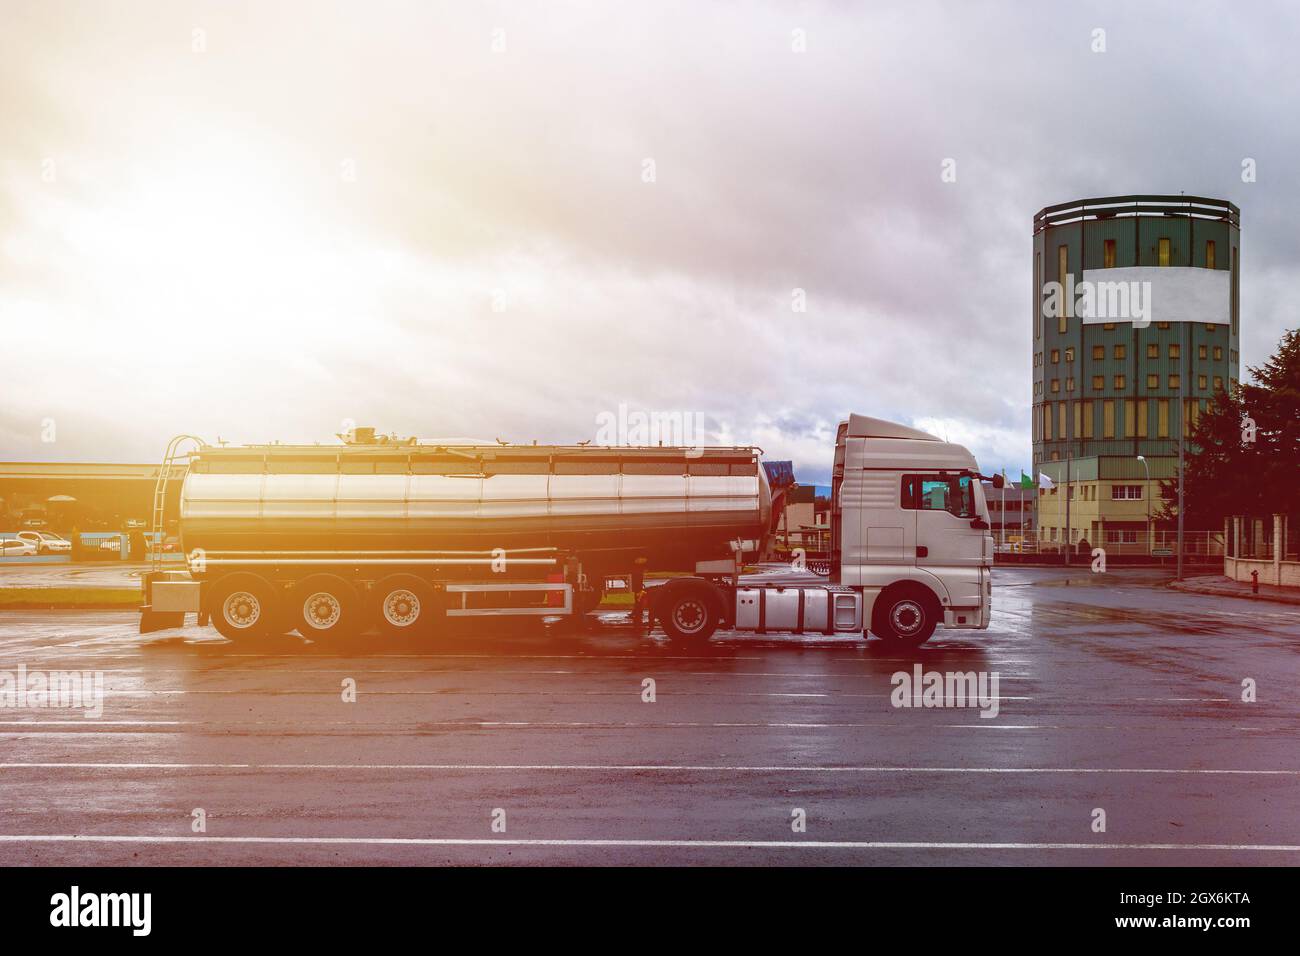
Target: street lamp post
x=1146 y=493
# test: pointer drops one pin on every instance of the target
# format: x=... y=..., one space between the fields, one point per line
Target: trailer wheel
x=401 y=605
x=687 y=611
x=243 y=606
x=905 y=615
x=326 y=608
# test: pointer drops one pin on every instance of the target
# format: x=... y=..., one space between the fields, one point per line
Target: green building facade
x=1153 y=283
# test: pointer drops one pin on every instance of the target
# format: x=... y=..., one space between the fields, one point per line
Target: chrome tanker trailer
x=394 y=536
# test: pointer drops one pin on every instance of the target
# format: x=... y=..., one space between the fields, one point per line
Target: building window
x=1125 y=492
x=1203 y=352
x=1175 y=381
x=1078 y=420
x=1098 y=383
x=1107 y=419
x=1038 y=295
x=1120 y=383
x=1060 y=421
x=1235 y=293
x=1191 y=415
x=1218 y=353
x=1210 y=327
x=1062 y=269
x=1164 y=326
x=1130 y=418
x=1098 y=352
x=1234 y=356
x=1162 y=418
x=1164 y=252
x=1121 y=352
x=1175 y=351
x=1108 y=326
x=1144 y=416
x=1218 y=383
x=1069 y=384
x=1056 y=356
x=1153 y=381
x=1047 y=421
x=1201 y=382
x=1087 y=419
x=1108 y=254
x=1209 y=253
x=1153 y=351
x=1056 y=386
x=1069 y=354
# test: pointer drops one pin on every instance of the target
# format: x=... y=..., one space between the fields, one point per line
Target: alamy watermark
x=951 y=689
x=1098 y=301
x=58 y=690
x=638 y=427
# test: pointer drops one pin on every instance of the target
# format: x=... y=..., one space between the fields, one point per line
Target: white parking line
x=703 y=844
x=637 y=768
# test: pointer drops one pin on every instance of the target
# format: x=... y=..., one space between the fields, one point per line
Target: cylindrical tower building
x=1136 y=323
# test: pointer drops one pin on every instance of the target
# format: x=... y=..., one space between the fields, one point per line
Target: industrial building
x=1136 y=324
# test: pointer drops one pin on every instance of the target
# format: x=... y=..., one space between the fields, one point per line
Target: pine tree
x=1244 y=456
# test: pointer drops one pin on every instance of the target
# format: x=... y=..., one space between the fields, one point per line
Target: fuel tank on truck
x=672 y=506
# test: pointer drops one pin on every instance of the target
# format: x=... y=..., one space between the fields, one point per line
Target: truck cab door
x=946 y=542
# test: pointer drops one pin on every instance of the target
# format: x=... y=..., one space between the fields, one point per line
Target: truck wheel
x=687 y=612
x=326 y=608
x=401 y=605
x=905 y=615
x=243 y=606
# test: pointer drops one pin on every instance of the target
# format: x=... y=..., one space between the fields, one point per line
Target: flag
x=1026 y=481
x=1044 y=481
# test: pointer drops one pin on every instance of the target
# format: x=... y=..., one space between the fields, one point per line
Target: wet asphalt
x=1115 y=694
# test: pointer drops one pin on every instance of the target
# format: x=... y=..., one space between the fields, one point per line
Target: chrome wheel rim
x=690 y=616
x=401 y=608
x=322 y=610
x=241 y=609
x=907 y=617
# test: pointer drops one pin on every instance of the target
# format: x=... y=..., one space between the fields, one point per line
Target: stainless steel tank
x=671 y=506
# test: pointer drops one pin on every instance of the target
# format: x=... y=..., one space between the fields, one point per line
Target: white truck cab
x=913 y=530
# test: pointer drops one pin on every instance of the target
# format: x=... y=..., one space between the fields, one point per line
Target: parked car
x=12 y=546
x=47 y=543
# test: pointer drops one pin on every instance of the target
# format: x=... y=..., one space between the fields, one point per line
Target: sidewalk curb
x=1216 y=591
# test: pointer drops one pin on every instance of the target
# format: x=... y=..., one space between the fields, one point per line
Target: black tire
x=687 y=612
x=905 y=615
x=325 y=608
x=244 y=607
x=402 y=606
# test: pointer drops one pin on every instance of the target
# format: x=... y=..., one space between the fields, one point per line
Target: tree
x=1244 y=456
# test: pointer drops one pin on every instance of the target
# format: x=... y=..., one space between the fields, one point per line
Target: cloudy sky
x=257 y=221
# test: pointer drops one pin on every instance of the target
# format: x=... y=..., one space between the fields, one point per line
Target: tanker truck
x=397 y=536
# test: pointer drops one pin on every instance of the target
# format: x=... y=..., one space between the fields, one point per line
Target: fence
x=1161 y=545
x=1262 y=549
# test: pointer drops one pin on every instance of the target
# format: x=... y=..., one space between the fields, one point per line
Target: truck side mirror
x=998 y=481
x=979 y=524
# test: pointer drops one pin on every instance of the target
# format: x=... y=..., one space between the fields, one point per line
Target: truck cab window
x=953 y=494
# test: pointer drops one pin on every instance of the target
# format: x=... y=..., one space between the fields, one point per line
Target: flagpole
x=1004 y=507
x=1067 y=507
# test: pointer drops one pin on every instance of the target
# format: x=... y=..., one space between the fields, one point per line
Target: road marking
x=704 y=844
x=637 y=768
